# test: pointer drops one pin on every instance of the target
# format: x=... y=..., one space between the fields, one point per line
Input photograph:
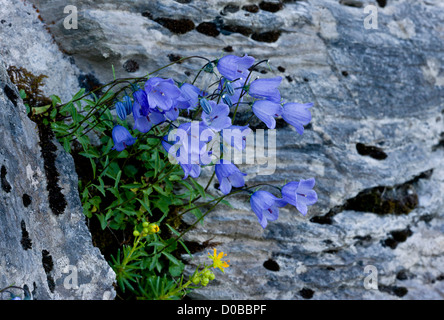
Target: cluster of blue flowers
x=162 y=100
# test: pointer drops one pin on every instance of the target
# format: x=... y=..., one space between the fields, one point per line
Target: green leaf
x=199 y=188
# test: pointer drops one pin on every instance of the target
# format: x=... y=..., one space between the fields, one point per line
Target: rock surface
x=374 y=146
x=45 y=246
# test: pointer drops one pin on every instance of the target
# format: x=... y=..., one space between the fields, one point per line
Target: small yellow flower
x=153 y=228
x=217 y=262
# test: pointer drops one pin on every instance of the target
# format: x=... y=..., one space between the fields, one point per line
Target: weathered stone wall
x=45 y=245
x=374 y=144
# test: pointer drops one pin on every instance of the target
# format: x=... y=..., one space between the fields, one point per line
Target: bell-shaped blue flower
x=236 y=136
x=141 y=97
x=229 y=176
x=300 y=194
x=144 y=123
x=218 y=118
x=267 y=111
x=266 y=206
x=189 y=97
x=266 y=89
x=297 y=115
x=122 y=138
x=233 y=67
x=161 y=93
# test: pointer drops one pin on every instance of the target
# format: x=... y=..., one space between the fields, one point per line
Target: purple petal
x=266 y=111
x=225 y=186
x=297 y=115
x=306 y=185
x=266 y=89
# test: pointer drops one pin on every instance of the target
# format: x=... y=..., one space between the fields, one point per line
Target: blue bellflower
x=267 y=111
x=300 y=194
x=218 y=118
x=266 y=89
x=189 y=97
x=229 y=176
x=140 y=97
x=236 y=136
x=233 y=67
x=297 y=115
x=144 y=123
x=122 y=138
x=161 y=93
x=266 y=206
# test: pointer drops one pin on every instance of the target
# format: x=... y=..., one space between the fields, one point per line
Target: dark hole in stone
x=2 y=21
x=281 y=69
x=147 y=14
x=344 y=73
x=230 y=8
x=238 y=29
x=382 y=3
x=385 y=200
x=183 y=1
x=187 y=73
x=440 y=277
x=400 y=291
x=89 y=82
x=397 y=237
x=228 y=49
x=5 y=184
x=270 y=6
x=351 y=3
x=251 y=8
x=26 y=200
x=131 y=65
x=10 y=93
x=179 y=26
x=270 y=36
x=48 y=265
x=216 y=186
x=306 y=80
x=56 y=199
x=174 y=57
x=271 y=265
x=289 y=79
x=208 y=28
x=371 y=151
x=306 y=293
x=47 y=262
x=330 y=269
x=403 y=275
x=25 y=241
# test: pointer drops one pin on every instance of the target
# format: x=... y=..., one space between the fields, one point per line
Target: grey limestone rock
x=45 y=245
x=374 y=144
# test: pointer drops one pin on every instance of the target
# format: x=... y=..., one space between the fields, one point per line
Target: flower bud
x=206 y=107
x=136 y=233
x=205 y=281
x=145 y=224
x=120 y=110
x=229 y=88
x=195 y=280
x=227 y=100
x=153 y=228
